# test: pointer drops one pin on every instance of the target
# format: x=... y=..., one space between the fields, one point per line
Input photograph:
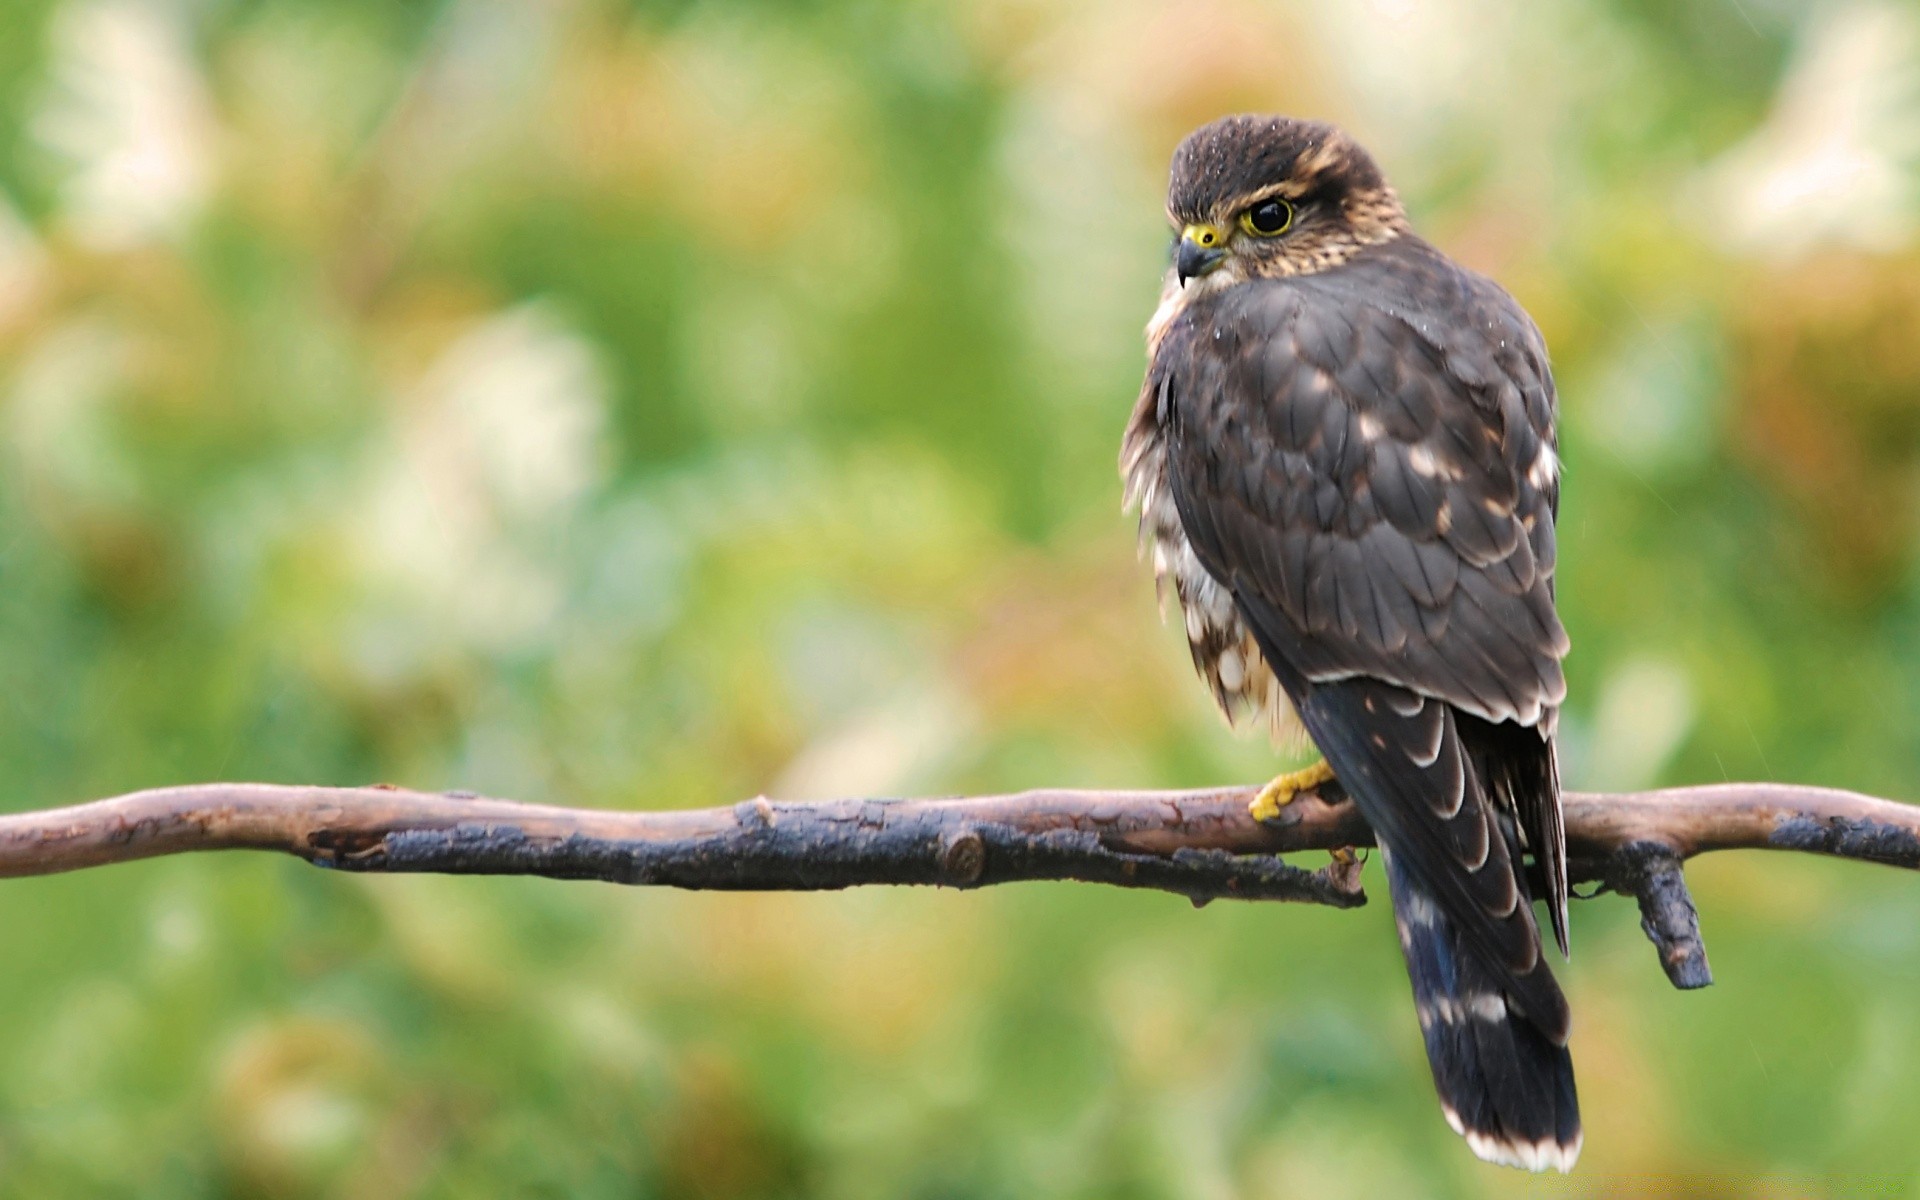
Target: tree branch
x=1200 y=844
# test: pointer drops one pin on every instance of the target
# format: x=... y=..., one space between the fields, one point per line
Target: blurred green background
x=656 y=405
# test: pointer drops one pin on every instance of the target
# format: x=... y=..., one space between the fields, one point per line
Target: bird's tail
x=1504 y=1085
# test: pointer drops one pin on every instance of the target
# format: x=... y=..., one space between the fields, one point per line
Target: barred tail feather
x=1504 y=1085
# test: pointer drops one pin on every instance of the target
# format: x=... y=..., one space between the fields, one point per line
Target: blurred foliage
x=656 y=404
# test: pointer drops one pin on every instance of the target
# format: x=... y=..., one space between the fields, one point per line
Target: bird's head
x=1256 y=196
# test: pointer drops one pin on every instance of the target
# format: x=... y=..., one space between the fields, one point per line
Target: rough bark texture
x=1200 y=844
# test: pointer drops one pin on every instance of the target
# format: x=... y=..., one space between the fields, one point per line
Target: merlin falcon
x=1343 y=455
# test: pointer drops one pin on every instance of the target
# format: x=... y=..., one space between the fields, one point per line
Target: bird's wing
x=1385 y=479
x=1365 y=458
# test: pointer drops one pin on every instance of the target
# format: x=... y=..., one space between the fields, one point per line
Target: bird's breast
x=1223 y=649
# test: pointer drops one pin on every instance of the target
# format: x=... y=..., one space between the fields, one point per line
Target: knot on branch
x=756 y=813
x=963 y=857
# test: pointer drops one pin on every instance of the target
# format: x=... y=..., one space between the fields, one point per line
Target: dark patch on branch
x=828 y=847
x=1863 y=838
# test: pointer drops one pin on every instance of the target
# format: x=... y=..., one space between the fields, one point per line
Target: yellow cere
x=1203 y=235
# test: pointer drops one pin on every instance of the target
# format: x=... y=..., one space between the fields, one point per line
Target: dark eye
x=1269 y=218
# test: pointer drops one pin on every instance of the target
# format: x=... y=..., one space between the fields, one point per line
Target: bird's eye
x=1269 y=218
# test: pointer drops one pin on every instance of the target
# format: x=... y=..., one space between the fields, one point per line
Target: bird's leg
x=1280 y=793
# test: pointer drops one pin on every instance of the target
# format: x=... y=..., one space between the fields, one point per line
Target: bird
x=1344 y=457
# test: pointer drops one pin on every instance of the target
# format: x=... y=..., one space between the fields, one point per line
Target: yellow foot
x=1280 y=793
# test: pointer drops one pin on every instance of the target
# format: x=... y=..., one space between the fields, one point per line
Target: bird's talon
x=1280 y=792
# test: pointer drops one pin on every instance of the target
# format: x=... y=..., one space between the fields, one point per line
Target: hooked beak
x=1201 y=249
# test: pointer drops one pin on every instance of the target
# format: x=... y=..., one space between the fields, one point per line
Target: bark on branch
x=1200 y=844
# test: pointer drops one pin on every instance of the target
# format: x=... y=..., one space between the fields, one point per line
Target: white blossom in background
x=58 y=435
x=1420 y=58
x=521 y=402
x=1835 y=161
x=126 y=116
x=896 y=747
x=497 y=443
x=1645 y=712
